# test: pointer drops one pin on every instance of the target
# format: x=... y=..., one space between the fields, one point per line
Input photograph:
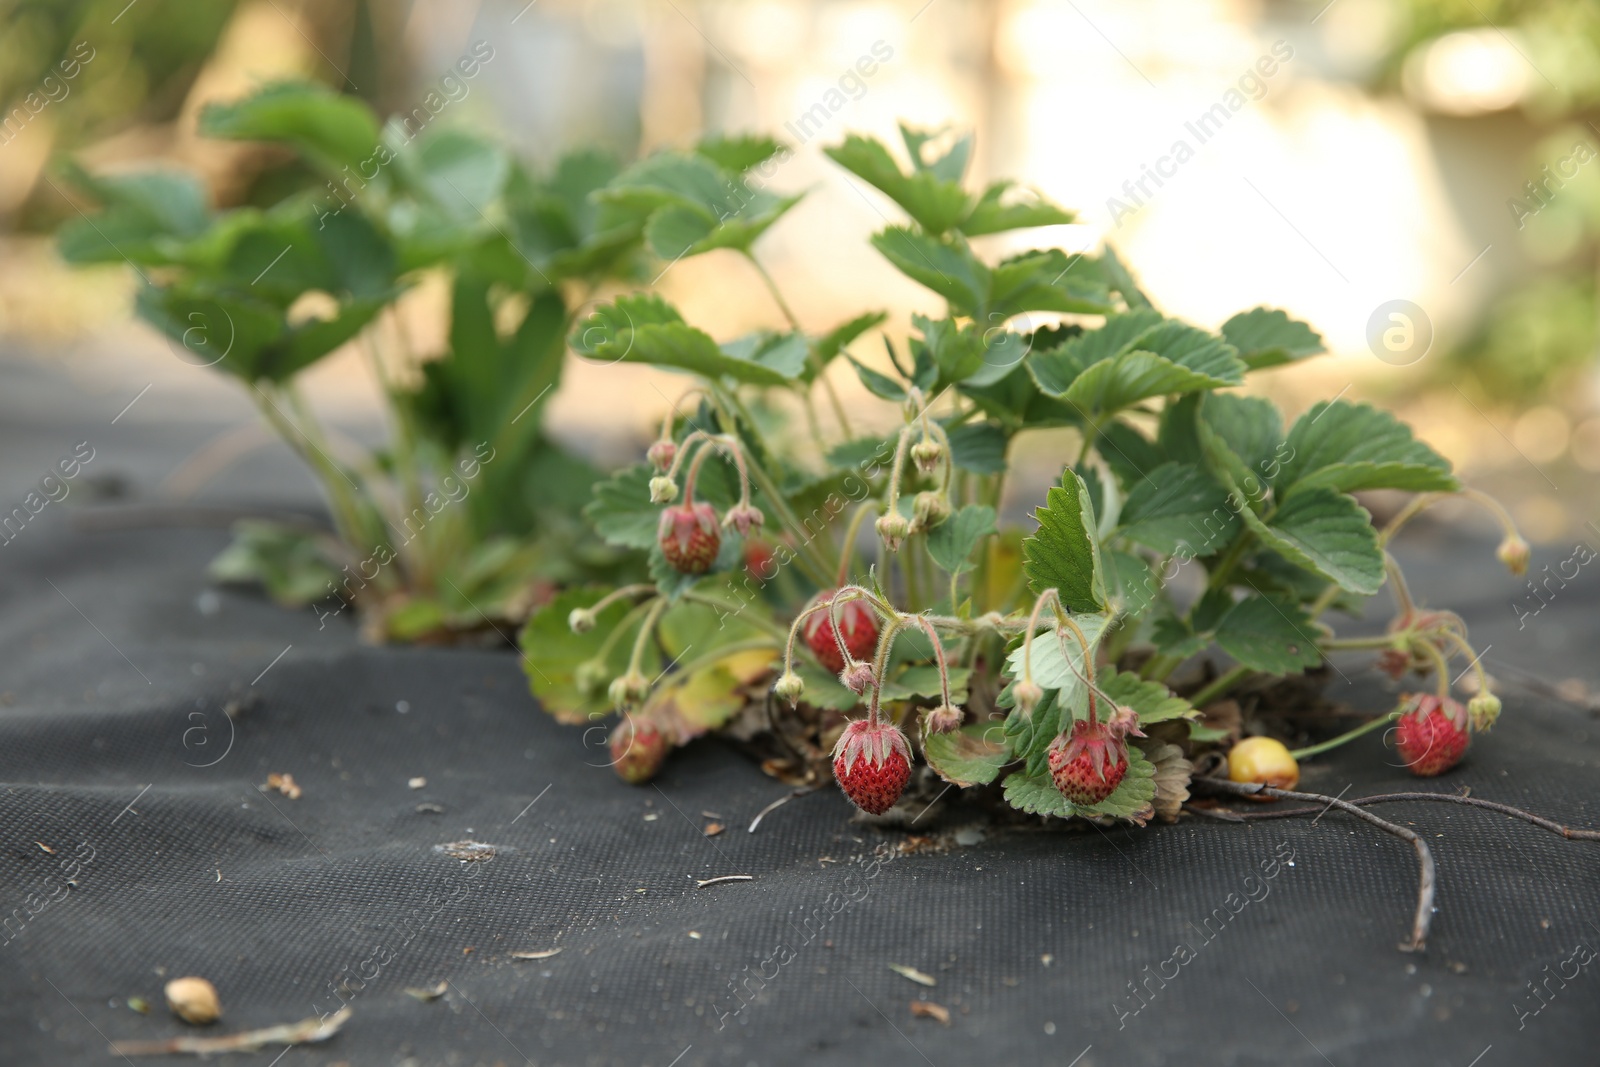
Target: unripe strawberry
x=1431 y=734
x=943 y=719
x=1514 y=553
x=856 y=676
x=663 y=490
x=638 y=749
x=581 y=620
x=927 y=454
x=872 y=762
x=689 y=537
x=662 y=453
x=858 y=625
x=1264 y=760
x=1088 y=765
x=892 y=529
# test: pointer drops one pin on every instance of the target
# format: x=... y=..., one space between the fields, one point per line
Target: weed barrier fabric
x=1204 y=942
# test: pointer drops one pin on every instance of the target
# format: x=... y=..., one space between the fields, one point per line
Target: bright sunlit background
x=1330 y=158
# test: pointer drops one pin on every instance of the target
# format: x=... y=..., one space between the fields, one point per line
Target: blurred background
x=1419 y=179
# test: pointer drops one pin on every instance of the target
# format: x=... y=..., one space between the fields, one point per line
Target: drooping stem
x=625 y=593
x=938 y=655
x=880 y=665
x=657 y=606
x=1349 y=735
x=1441 y=664
x=811 y=352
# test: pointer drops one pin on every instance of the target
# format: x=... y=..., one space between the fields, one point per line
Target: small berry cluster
x=690 y=533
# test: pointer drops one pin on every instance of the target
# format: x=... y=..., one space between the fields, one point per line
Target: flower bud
x=892 y=528
x=930 y=509
x=856 y=676
x=630 y=688
x=789 y=686
x=663 y=490
x=580 y=621
x=927 y=453
x=662 y=453
x=590 y=676
x=1483 y=710
x=943 y=719
x=743 y=517
x=1027 y=695
x=1514 y=553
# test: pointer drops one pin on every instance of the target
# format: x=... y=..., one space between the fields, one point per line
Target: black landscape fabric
x=139 y=846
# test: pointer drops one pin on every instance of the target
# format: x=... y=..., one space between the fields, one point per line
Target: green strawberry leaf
x=1266 y=337
x=1153 y=701
x=1269 y=634
x=936 y=201
x=1005 y=205
x=948 y=268
x=552 y=655
x=1346 y=447
x=646 y=329
x=1064 y=552
x=972 y=755
x=1326 y=532
x=1179 y=504
x=950 y=544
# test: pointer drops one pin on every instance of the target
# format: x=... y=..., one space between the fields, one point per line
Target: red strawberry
x=638 y=749
x=689 y=537
x=872 y=762
x=1088 y=766
x=758 y=558
x=860 y=632
x=1431 y=735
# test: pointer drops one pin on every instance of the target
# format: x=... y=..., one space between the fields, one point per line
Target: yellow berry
x=194 y=1000
x=1264 y=760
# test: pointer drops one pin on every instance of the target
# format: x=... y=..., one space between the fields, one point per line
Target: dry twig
x=305 y=1032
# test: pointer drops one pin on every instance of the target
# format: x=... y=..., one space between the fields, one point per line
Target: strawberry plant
x=468 y=510
x=859 y=602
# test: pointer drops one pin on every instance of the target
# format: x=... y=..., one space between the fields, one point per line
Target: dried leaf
x=427 y=993
x=283 y=783
x=542 y=954
x=713 y=829
x=912 y=973
x=927 y=1009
